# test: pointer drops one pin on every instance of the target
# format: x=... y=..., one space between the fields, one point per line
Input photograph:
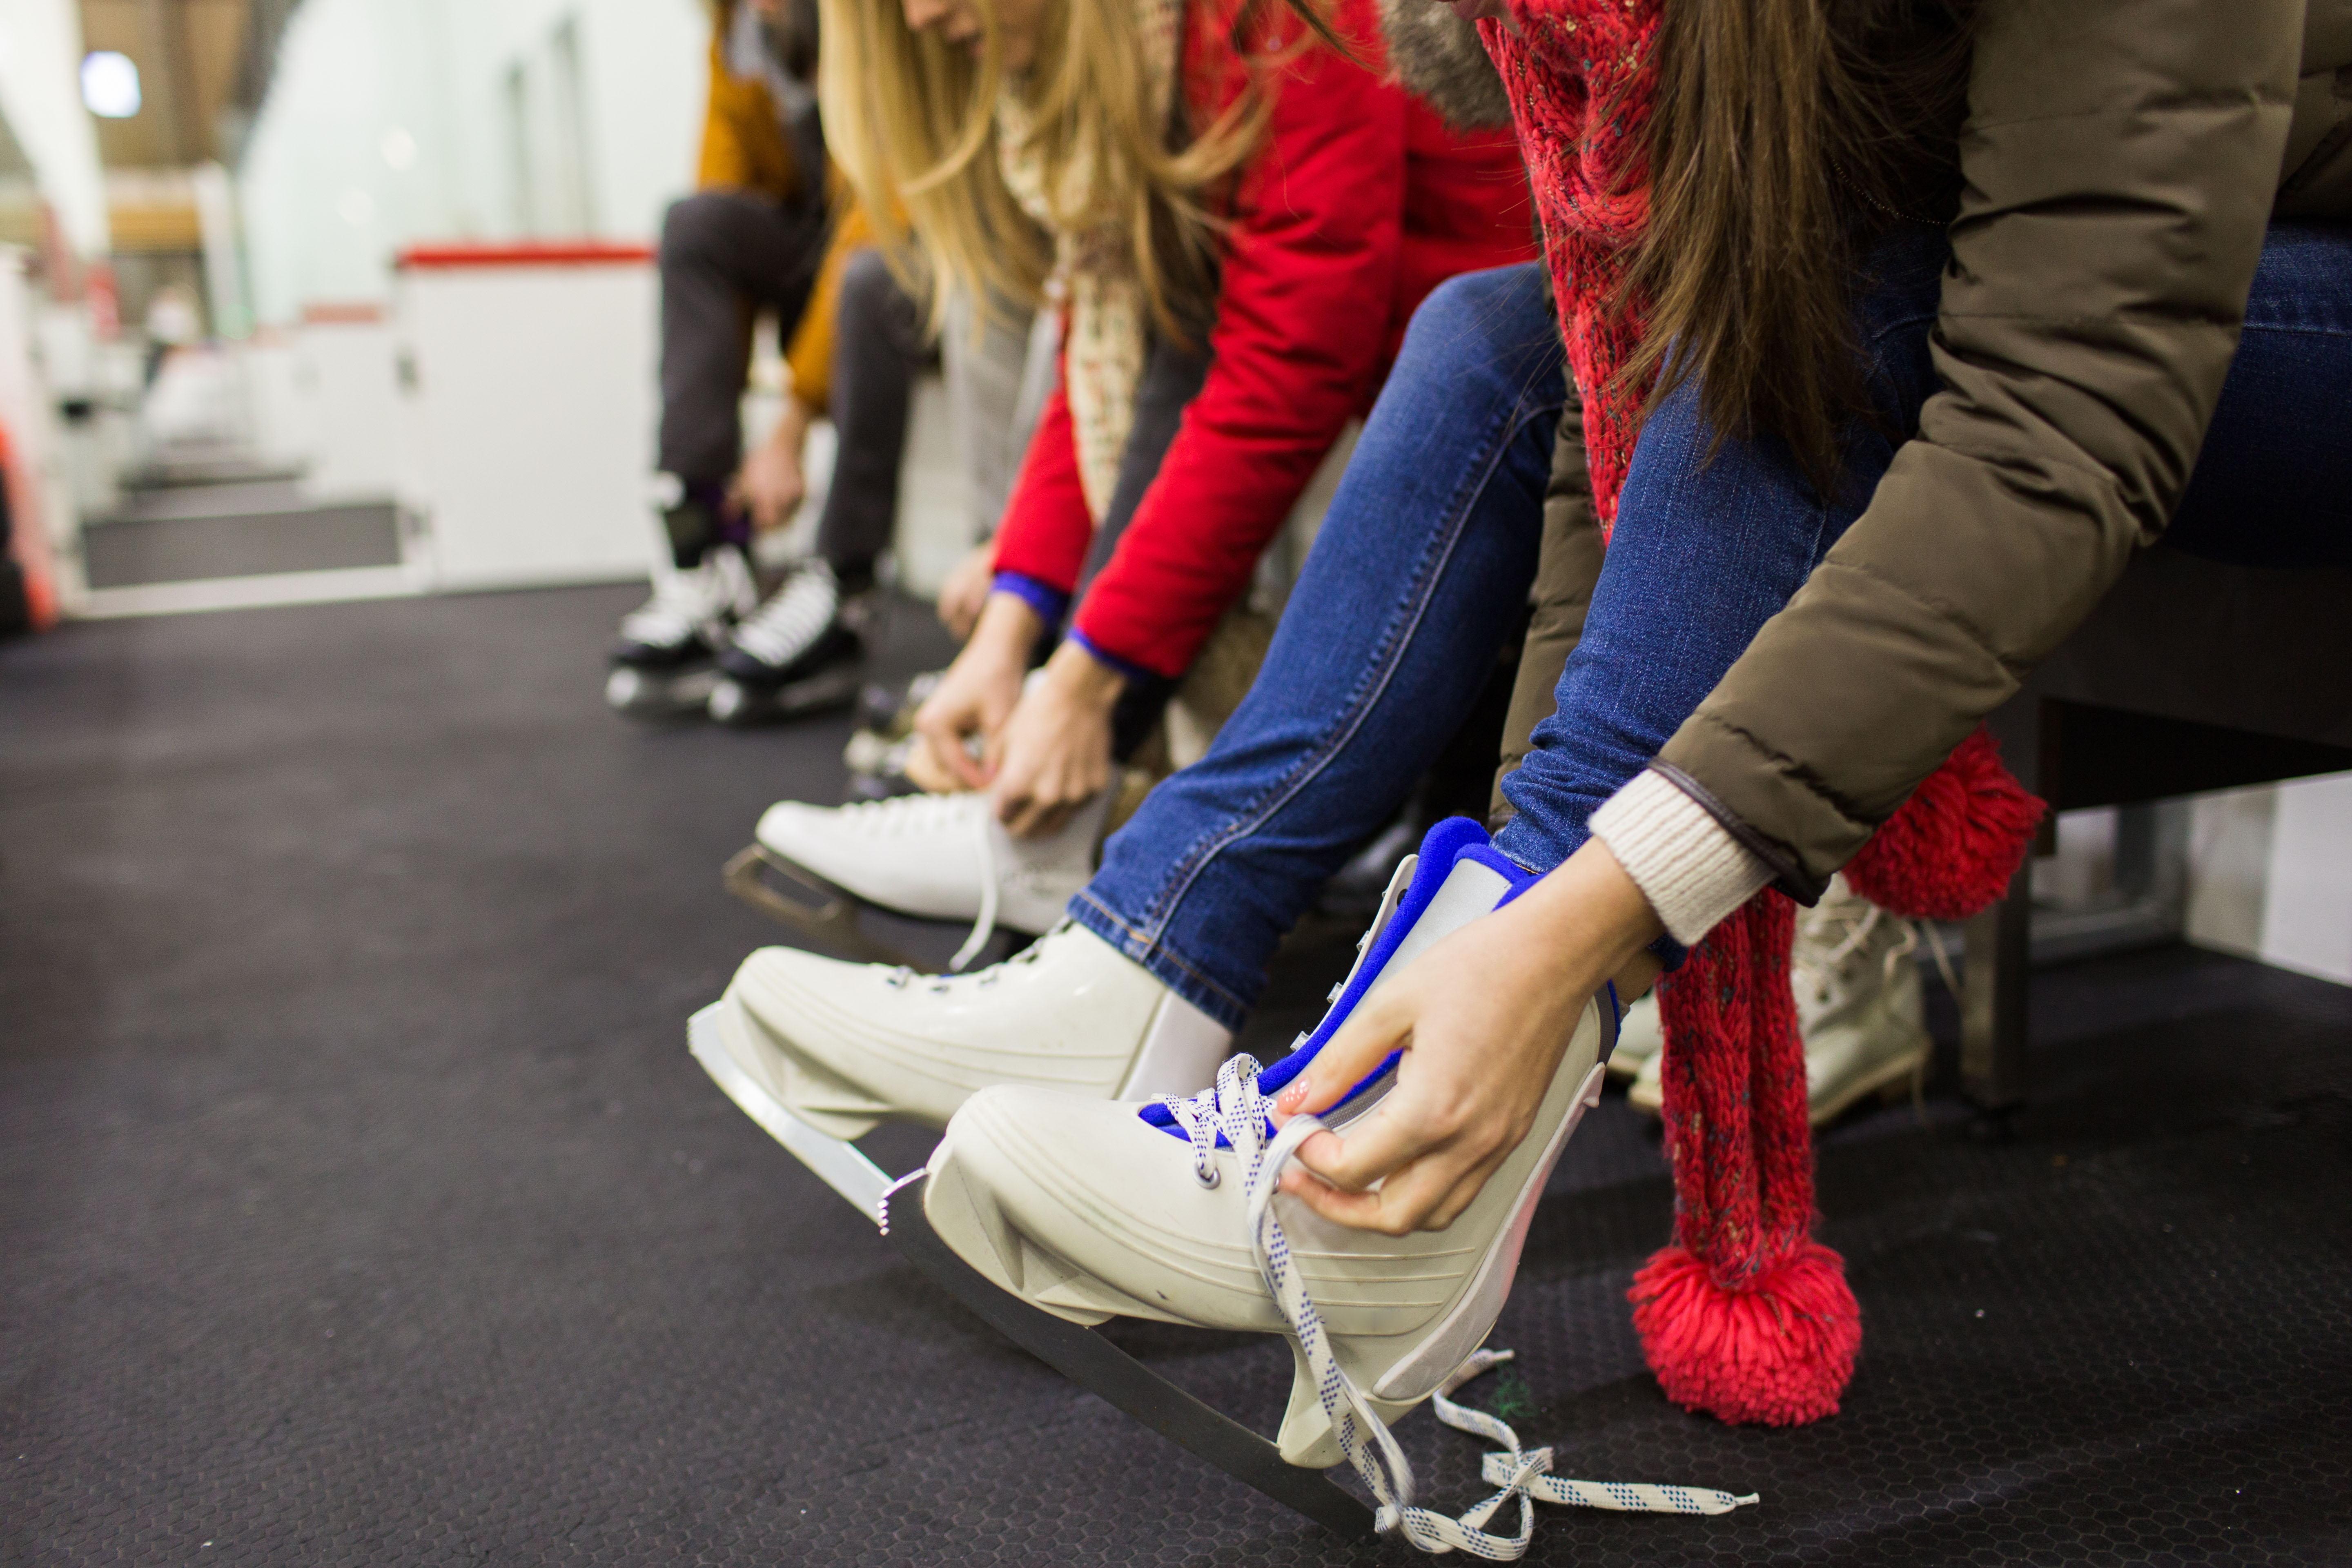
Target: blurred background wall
x=391 y=121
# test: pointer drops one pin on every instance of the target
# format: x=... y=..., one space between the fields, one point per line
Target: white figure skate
x=935 y=857
x=1047 y=1212
x=663 y=663
x=819 y=1051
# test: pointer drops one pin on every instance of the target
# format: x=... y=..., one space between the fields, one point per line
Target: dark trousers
x=725 y=257
x=878 y=345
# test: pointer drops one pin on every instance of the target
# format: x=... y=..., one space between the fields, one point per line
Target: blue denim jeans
x=1430 y=547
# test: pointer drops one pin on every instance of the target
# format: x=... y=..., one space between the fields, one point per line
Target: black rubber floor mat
x=359 y=1203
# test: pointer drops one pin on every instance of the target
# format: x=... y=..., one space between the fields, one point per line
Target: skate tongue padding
x=1452 y=846
x=1179 y=1052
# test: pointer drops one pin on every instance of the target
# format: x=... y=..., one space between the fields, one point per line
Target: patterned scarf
x=1580 y=79
x=1745 y=1316
x=1095 y=275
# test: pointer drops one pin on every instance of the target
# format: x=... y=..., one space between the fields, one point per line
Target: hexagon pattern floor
x=359 y=1203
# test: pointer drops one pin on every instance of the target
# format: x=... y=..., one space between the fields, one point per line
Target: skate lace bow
x=1237 y=1108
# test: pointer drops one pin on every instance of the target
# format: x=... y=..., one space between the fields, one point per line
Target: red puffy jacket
x=1359 y=203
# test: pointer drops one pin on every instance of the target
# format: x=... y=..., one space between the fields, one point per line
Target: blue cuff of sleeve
x=1051 y=603
x=1134 y=672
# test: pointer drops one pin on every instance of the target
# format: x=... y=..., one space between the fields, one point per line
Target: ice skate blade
x=647 y=692
x=1094 y=1363
x=732 y=702
x=826 y=913
x=836 y=1163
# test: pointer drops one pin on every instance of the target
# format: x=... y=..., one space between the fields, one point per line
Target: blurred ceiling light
x=109 y=84
x=399 y=149
x=357 y=207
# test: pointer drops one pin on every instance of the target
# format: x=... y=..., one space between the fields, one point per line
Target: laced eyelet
x=1208 y=1178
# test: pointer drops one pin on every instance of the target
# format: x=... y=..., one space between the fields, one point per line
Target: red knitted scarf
x=1581 y=82
x=1745 y=1316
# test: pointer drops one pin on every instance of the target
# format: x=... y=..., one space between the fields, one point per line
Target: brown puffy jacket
x=2122 y=161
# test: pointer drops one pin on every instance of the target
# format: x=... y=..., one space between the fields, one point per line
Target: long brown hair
x=1786 y=136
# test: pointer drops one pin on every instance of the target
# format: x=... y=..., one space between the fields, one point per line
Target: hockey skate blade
x=834 y=1161
x=1094 y=1363
x=732 y=702
x=628 y=691
x=826 y=915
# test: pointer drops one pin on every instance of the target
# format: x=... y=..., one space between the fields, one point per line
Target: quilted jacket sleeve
x=2120 y=158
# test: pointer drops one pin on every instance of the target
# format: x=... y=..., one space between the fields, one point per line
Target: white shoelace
x=684 y=603
x=788 y=624
x=1835 y=930
x=1237 y=1108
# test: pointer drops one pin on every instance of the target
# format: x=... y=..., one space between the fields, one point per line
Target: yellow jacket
x=744 y=149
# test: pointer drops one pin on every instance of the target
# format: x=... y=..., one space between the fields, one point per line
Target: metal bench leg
x=1992 y=1008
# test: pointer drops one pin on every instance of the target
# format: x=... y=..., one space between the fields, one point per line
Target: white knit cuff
x=1689 y=866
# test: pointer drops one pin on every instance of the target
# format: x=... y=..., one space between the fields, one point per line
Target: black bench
x=2190 y=676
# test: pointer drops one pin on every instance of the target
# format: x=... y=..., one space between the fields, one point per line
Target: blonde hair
x=911 y=118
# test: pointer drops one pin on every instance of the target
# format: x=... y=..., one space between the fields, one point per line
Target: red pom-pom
x=1952 y=848
x=1778 y=1352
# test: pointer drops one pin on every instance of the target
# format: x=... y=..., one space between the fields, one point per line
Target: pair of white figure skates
x=1102 y=1155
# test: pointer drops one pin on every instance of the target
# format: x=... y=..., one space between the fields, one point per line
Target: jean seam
x=1187 y=872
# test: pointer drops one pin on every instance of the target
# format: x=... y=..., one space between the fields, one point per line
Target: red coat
x=1357 y=205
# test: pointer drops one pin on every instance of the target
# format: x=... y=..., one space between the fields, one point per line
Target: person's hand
x=965 y=593
x=1055 y=753
x=770 y=486
x=978 y=693
x=1482 y=1018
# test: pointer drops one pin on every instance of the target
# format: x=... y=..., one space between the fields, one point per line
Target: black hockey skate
x=801 y=652
x=664 y=663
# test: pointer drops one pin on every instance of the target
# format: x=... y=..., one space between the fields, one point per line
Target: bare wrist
x=1079 y=675
x=790 y=433
x=1586 y=923
x=1009 y=626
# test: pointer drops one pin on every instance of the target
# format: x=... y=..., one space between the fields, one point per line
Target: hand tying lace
x=1235 y=1111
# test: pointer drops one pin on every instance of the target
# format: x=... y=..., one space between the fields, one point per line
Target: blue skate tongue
x=1448 y=844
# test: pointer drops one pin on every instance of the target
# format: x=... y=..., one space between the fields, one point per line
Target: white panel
x=534 y=416
x=2307 y=913
x=349 y=369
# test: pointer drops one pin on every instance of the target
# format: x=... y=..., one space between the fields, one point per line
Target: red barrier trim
x=567 y=253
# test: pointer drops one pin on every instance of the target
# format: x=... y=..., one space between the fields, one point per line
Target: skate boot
x=663 y=662
x=882 y=738
x=1078 y=1210
x=935 y=857
x=1640 y=1037
x=1859 y=1008
x=796 y=654
x=819 y=1051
